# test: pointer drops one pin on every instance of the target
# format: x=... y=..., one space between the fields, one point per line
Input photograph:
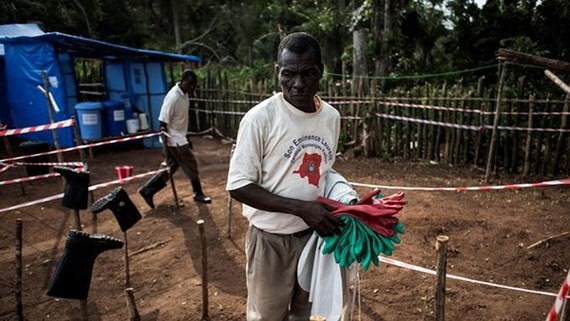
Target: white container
x=132 y=126
x=143 y=121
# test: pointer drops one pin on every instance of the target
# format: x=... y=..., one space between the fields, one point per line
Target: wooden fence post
x=528 y=137
x=229 y=209
x=204 y=248
x=165 y=152
x=491 y=153
x=441 y=248
x=11 y=154
x=51 y=118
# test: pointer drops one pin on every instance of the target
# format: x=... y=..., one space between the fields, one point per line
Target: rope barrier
x=565 y=181
x=74 y=164
x=113 y=141
x=60 y=124
x=455 y=277
x=449 y=73
x=28 y=179
x=91 y=188
x=428 y=122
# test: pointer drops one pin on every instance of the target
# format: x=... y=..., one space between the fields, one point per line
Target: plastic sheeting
x=28 y=105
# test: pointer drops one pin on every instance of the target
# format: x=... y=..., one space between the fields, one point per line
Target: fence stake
x=126 y=252
x=77 y=220
x=165 y=152
x=19 y=306
x=204 y=270
x=441 y=248
x=495 y=123
x=229 y=211
x=131 y=305
x=528 y=137
x=50 y=113
x=561 y=134
x=11 y=154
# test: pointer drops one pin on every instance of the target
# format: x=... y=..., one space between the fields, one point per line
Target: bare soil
x=489 y=232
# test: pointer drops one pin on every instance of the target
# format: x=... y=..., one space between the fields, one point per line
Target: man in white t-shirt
x=173 y=120
x=285 y=146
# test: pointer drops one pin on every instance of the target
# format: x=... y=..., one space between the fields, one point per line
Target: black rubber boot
x=120 y=204
x=72 y=276
x=76 y=193
x=147 y=191
x=198 y=193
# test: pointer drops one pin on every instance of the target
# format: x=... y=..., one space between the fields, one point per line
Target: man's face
x=299 y=77
x=189 y=85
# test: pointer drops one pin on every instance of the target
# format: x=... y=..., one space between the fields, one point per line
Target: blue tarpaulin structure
x=26 y=51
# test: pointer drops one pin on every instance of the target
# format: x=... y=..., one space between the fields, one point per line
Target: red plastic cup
x=124 y=171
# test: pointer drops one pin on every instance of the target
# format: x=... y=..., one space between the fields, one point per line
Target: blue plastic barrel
x=113 y=118
x=89 y=120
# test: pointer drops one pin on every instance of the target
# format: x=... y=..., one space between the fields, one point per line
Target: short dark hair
x=189 y=75
x=300 y=43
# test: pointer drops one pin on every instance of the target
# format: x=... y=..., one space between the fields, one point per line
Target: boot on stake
x=76 y=194
x=72 y=276
x=147 y=191
x=120 y=204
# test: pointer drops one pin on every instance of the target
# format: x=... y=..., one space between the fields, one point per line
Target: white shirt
x=174 y=112
x=285 y=151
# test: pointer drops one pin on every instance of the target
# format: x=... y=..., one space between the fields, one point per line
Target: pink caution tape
x=557 y=306
x=17 y=131
x=91 y=188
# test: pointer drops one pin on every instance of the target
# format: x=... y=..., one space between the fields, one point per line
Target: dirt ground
x=489 y=232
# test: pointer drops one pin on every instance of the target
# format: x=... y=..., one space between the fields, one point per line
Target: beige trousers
x=273 y=293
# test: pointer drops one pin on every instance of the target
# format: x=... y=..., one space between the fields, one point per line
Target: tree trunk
x=360 y=68
x=176 y=22
x=387 y=31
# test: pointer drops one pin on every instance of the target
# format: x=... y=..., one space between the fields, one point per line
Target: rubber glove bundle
x=370 y=229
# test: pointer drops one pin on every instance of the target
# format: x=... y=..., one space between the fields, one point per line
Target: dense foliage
x=407 y=36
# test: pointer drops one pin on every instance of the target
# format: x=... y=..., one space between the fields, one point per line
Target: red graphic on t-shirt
x=310 y=168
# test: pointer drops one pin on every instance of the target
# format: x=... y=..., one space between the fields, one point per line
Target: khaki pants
x=273 y=293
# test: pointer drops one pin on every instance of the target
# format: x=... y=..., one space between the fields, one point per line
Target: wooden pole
x=528 y=137
x=524 y=58
x=229 y=208
x=204 y=270
x=441 y=248
x=131 y=305
x=491 y=153
x=77 y=220
x=126 y=252
x=481 y=120
x=19 y=305
x=51 y=118
x=11 y=154
x=561 y=134
x=77 y=139
x=165 y=152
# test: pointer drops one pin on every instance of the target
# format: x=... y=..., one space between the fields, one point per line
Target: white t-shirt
x=174 y=112
x=285 y=151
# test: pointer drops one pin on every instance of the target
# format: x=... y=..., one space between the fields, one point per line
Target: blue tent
x=27 y=51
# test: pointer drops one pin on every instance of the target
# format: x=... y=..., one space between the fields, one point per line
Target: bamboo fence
x=448 y=122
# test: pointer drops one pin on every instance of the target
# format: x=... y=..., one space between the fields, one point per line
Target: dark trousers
x=181 y=156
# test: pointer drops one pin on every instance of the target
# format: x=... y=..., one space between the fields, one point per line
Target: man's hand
x=318 y=216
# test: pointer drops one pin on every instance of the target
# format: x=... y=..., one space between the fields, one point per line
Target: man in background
x=173 y=120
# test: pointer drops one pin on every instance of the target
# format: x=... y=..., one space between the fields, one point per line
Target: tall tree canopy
x=402 y=36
